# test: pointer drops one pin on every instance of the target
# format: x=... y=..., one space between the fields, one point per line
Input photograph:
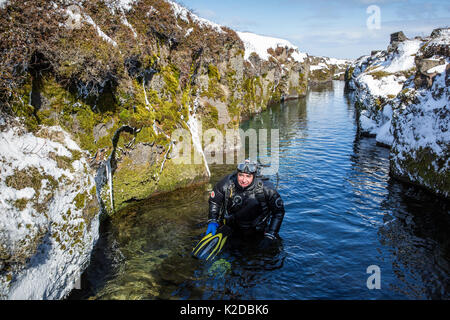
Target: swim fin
x=210 y=245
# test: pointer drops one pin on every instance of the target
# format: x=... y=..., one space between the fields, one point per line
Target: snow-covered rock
x=49 y=217
x=260 y=45
x=420 y=150
x=378 y=79
x=402 y=97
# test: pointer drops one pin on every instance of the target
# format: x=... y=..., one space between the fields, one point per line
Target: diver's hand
x=268 y=241
x=212 y=228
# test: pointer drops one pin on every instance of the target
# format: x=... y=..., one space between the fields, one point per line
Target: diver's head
x=246 y=173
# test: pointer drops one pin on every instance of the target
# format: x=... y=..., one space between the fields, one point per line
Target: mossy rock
x=419 y=169
x=136 y=182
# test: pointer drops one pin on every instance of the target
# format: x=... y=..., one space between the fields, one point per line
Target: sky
x=345 y=29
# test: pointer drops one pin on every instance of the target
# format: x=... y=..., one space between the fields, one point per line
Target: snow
x=384 y=134
x=188 y=32
x=3 y=3
x=372 y=86
x=127 y=4
x=152 y=10
x=424 y=130
x=415 y=125
x=442 y=39
x=388 y=85
x=51 y=270
x=195 y=127
x=319 y=66
x=259 y=44
x=337 y=62
x=76 y=17
x=367 y=124
x=125 y=22
x=438 y=69
x=404 y=60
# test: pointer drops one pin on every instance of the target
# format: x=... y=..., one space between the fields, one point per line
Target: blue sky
x=327 y=28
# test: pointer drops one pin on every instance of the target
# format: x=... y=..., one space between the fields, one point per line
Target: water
x=343 y=214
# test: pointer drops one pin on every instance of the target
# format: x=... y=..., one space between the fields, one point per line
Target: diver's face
x=244 y=179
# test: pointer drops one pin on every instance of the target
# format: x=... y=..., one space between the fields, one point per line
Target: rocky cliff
x=402 y=95
x=325 y=69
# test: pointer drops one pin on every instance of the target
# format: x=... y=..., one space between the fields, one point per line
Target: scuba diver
x=242 y=204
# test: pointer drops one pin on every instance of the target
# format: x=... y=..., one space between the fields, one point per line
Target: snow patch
x=125 y=22
x=184 y=14
x=60 y=258
x=3 y=3
x=384 y=134
x=438 y=69
x=319 y=66
x=404 y=59
x=259 y=44
x=194 y=126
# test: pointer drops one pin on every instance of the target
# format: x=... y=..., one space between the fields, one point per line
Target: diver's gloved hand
x=212 y=228
x=268 y=241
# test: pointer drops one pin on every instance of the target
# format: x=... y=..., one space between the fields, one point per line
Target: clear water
x=343 y=214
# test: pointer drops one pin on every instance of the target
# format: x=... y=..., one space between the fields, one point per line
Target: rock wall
x=324 y=69
x=402 y=98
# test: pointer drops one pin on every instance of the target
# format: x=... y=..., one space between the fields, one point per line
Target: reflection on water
x=415 y=231
x=343 y=214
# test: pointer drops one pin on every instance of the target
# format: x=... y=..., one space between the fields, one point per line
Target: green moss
x=213 y=72
x=171 y=77
x=22 y=108
x=62 y=162
x=52 y=183
x=210 y=118
x=124 y=116
x=321 y=75
x=21 y=203
x=379 y=74
x=133 y=181
x=32 y=178
x=26 y=178
x=214 y=89
x=79 y=200
x=408 y=73
x=302 y=84
x=76 y=155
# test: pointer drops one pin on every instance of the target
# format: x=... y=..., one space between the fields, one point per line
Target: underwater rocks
x=324 y=69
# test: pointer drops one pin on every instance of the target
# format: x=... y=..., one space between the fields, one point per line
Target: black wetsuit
x=256 y=208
